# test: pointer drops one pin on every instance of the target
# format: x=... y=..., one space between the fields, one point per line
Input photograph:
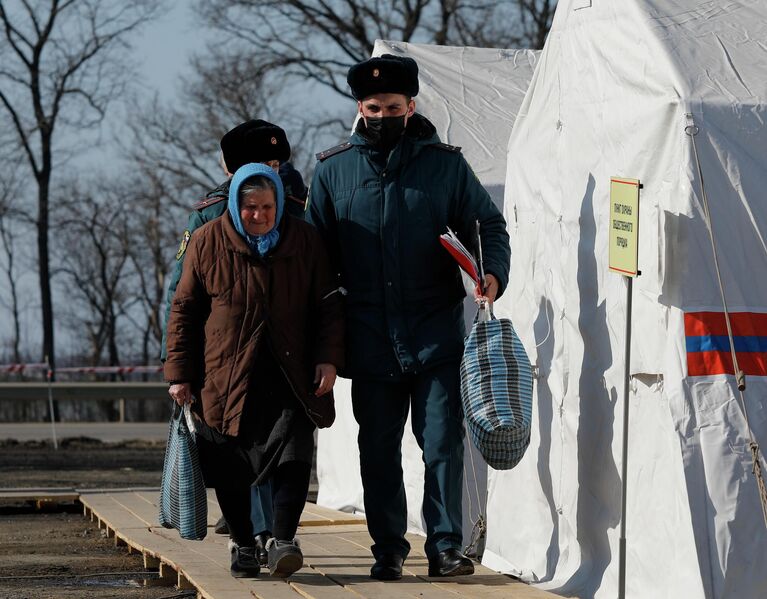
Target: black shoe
x=285 y=557
x=388 y=566
x=244 y=561
x=450 y=562
x=221 y=527
x=262 y=554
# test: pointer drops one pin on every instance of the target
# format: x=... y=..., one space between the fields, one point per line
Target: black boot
x=261 y=553
x=388 y=566
x=450 y=562
x=285 y=557
x=221 y=527
x=244 y=562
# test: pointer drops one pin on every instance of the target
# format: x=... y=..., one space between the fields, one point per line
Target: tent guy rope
x=692 y=131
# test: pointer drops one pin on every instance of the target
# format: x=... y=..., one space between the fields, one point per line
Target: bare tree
x=535 y=18
x=505 y=24
x=10 y=186
x=317 y=40
x=180 y=140
x=175 y=142
x=153 y=229
x=63 y=61
x=308 y=45
x=8 y=240
x=272 y=50
x=95 y=239
x=229 y=87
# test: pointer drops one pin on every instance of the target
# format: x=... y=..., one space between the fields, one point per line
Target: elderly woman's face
x=258 y=209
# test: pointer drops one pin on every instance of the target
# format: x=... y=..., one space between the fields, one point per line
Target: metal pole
x=624 y=467
x=49 y=376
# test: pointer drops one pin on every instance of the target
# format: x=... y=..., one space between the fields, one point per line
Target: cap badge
x=274 y=141
x=376 y=72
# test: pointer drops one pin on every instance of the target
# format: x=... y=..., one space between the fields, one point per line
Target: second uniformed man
x=252 y=141
x=380 y=201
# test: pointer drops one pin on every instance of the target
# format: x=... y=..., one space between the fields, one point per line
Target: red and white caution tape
x=22 y=367
x=83 y=369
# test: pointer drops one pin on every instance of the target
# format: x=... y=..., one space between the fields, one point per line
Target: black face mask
x=383 y=133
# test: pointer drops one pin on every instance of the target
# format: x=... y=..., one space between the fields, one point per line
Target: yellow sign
x=624 y=225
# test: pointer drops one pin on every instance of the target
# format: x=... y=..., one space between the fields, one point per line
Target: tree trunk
x=46 y=302
x=43 y=257
x=15 y=310
x=8 y=244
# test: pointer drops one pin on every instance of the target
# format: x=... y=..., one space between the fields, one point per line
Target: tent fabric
x=472 y=96
x=614 y=92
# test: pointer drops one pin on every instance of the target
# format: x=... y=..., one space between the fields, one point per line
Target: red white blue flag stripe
x=708 y=345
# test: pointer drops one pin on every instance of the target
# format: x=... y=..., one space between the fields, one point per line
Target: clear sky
x=166 y=46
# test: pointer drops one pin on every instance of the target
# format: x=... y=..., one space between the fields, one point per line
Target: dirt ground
x=61 y=554
x=81 y=463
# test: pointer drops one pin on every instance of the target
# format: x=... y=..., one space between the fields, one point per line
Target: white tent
x=614 y=92
x=472 y=96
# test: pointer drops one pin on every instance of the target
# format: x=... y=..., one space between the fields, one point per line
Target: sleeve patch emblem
x=184 y=242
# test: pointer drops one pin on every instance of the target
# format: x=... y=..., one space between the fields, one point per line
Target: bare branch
x=23 y=138
x=11 y=32
x=63 y=56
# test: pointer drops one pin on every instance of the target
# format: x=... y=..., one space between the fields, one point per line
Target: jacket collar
x=419 y=133
x=222 y=191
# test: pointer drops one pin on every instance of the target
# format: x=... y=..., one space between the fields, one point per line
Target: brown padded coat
x=229 y=301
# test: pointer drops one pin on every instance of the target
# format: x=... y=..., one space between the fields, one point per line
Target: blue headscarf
x=260 y=244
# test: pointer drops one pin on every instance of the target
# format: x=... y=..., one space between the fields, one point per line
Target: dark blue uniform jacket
x=381 y=216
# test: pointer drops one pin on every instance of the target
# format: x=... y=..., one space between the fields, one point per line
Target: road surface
x=109 y=432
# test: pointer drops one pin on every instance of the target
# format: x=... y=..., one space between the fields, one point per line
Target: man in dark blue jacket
x=381 y=200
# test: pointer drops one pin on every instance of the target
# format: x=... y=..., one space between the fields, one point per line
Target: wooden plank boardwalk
x=336 y=549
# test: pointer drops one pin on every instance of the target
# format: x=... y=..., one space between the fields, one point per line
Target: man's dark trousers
x=381 y=410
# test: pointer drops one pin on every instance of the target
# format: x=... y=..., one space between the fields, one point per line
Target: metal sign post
x=624 y=245
x=49 y=378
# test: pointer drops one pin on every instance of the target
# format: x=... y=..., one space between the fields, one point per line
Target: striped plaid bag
x=183 y=499
x=497 y=390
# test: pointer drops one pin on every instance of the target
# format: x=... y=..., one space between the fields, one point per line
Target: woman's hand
x=491 y=290
x=324 y=378
x=181 y=393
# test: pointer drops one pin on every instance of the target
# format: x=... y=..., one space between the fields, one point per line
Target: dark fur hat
x=386 y=74
x=254 y=141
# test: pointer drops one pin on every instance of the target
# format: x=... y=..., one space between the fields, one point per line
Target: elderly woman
x=256 y=335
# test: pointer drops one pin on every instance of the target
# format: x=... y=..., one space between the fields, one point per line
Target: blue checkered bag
x=183 y=498
x=497 y=391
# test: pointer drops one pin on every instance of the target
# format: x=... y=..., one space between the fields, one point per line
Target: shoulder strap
x=333 y=151
x=447 y=147
x=204 y=203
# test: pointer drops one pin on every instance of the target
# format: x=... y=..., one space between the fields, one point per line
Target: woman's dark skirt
x=274 y=429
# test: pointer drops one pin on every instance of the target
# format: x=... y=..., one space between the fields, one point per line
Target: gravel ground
x=61 y=554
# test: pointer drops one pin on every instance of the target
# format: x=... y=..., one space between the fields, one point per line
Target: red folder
x=460 y=254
